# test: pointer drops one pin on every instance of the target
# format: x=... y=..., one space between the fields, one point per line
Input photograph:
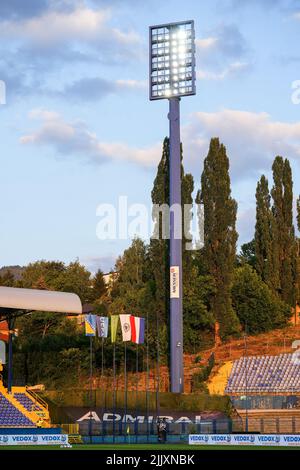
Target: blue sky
x=78 y=129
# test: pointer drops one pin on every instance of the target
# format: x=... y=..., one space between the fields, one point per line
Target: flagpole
x=157 y=367
x=114 y=392
x=125 y=383
x=102 y=381
x=147 y=376
x=102 y=357
x=137 y=386
x=91 y=386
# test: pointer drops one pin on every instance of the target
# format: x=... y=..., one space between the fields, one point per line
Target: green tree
x=159 y=247
x=296 y=256
x=247 y=254
x=298 y=212
x=220 y=234
x=7 y=279
x=159 y=252
x=198 y=320
x=266 y=262
x=42 y=273
x=98 y=285
x=255 y=303
x=284 y=236
x=77 y=279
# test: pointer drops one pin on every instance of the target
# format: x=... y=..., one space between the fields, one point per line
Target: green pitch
x=149 y=447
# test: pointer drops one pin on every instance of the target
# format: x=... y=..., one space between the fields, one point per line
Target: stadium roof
x=43 y=300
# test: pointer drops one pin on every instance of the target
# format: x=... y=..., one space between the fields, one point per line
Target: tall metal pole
x=114 y=393
x=125 y=386
x=176 y=329
x=147 y=376
x=246 y=378
x=91 y=387
x=10 y=353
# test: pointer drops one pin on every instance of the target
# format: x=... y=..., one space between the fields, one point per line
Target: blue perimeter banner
x=33 y=439
x=245 y=439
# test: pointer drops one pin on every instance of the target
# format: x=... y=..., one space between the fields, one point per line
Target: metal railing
x=37 y=398
x=221 y=426
x=260 y=402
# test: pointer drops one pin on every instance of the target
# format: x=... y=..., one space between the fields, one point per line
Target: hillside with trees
x=225 y=294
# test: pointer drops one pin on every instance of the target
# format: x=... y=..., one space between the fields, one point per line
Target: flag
x=126 y=327
x=114 y=319
x=141 y=336
x=90 y=325
x=137 y=330
x=4 y=331
x=133 y=329
x=102 y=326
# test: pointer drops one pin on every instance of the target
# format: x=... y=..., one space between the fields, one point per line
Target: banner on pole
x=90 y=325
x=114 y=319
x=102 y=326
x=174 y=282
x=137 y=329
x=2 y=353
x=126 y=327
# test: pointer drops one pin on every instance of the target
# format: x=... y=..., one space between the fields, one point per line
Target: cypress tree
x=220 y=234
x=284 y=236
x=298 y=213
x=159 y=248
x=297 y=257
x=265 y=263
x=159 y=252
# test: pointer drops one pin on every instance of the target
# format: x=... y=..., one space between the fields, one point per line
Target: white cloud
x=105 y=263
x=74 y=138
x=252 y=139
x=206 y=43
x=56 y=26
x=132 y=84
x=83 y=23
x=231 y=70
x=222 y=53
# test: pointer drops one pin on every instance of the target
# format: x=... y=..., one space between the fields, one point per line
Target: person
x=164 y=430
x=158 y=426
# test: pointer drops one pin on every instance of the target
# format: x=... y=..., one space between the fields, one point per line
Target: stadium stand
x=27 y=402
x=22 y=409
x=265 y=374
x=10 y=416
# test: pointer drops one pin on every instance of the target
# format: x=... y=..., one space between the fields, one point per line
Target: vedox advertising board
x=245 y=439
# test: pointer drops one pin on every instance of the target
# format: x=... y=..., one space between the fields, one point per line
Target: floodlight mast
x=172 y=75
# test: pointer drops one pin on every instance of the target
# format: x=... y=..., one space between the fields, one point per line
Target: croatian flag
x=137 y=329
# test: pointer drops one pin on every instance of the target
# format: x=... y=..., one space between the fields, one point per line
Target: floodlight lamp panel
x=172 y=50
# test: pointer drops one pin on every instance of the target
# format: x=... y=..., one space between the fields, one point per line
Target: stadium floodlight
x=172 y=60
x=172 y=75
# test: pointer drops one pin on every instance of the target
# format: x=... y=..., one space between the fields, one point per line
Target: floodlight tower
x=172 y=75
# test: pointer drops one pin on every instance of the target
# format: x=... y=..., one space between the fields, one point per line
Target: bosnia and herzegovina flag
x=137 y=329
x=90 y=325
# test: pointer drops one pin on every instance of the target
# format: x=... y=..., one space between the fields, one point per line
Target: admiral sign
x=291 y=440
x=174 y=282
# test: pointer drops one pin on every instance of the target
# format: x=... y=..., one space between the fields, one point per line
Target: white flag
x=126 y=327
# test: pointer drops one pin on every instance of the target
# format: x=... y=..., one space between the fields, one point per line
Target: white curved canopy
x=34 y=299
